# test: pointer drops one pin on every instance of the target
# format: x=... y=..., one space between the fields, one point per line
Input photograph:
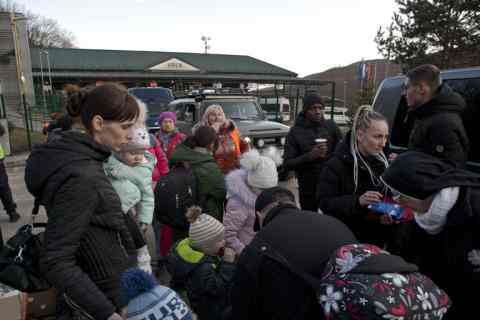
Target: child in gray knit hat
x=203 y=266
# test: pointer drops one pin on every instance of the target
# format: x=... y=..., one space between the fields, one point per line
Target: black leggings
x=5 y=192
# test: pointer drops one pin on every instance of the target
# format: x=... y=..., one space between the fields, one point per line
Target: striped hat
x=205 y=231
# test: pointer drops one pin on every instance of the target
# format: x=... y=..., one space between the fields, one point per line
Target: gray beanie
x=205 y=231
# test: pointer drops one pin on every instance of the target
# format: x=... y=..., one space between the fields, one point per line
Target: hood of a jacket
x=184 y=153
x=446 y=100
x=236 y=182
x=185 y=259
x=48 y=159
x=419 y=175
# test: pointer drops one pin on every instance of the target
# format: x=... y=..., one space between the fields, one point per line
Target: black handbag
x=19 y=258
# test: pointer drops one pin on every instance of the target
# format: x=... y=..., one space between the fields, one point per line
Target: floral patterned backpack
x=356 y=284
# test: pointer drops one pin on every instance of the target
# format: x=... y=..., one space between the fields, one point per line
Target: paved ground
x=24 y=202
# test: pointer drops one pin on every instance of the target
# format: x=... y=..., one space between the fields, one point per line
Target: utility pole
x=205 y=43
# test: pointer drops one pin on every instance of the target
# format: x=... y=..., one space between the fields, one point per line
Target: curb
x=18 y=160
x=15 y=163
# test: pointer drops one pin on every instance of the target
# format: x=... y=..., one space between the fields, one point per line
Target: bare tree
x=43 y=32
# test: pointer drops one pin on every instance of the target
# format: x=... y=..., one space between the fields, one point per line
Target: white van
x=276 y=109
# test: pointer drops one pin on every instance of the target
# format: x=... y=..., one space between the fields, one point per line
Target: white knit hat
x=262 y=171
x=205 y=231
x=140 y=140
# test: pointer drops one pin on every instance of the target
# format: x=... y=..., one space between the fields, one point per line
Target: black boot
x=14 y=216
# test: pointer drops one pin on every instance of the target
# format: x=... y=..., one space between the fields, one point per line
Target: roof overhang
x=125 y=75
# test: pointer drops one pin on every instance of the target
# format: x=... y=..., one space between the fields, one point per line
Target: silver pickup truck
x=242 y=109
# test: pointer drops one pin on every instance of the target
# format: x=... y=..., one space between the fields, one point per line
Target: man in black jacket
x=309 y=143
x=265 y=285
x=445 y=242
x=438 y=128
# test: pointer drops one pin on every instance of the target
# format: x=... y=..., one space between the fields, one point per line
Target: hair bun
x=75 y=102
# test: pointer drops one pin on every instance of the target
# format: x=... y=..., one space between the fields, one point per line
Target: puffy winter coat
x=207 y=279
x=133 y=185
x=209 y=179
x=451 y=258
x=169 y=142
x=86 y=236
x=337 y=197
x=228 y=151
x=239 y=215
x=300 y=141
x=161 y=168
x=438 y=128
x=264 y=285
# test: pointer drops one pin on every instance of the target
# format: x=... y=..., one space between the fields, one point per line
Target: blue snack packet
x=393 y=209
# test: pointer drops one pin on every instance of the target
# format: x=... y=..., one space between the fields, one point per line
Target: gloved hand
x=144 y=259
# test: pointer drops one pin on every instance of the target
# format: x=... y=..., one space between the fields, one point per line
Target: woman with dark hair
x=196 y=152
x=350 y=181
x=87 y=241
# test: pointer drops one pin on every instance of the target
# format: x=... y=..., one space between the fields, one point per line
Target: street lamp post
x=205 y=43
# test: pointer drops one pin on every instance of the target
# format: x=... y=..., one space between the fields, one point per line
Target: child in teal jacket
x=130 y=172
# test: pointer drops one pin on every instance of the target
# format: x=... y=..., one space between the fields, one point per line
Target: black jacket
x=301 y=140
x=265 y=285
x=438 y=127
x=337 y=196
x=450 y=258
x=207 y=279
x=86 y=239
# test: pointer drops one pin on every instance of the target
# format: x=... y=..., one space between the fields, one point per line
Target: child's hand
x=229 y=255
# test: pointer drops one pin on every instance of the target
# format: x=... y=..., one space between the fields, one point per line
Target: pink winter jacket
x=240 y=211
x=161 y=169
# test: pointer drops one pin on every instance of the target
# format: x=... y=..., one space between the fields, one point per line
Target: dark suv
x=244 y=110
x=156 y=99
x=391 y=102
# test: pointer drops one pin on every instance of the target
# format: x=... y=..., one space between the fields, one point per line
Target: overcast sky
x=302 y=36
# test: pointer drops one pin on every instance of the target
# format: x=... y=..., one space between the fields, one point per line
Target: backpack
x=174 y=194
x=353 y=287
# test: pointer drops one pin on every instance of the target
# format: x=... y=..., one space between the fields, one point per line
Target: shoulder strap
x=308 y=278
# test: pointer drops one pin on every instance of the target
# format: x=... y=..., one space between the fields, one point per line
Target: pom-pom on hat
x=262 y=171
x=148 y=300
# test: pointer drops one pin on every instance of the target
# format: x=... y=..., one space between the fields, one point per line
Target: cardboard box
x=41 y=304
x=10 y=303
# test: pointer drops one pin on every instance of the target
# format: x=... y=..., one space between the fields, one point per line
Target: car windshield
x=268 y=107
x=238 y=110
x=156 y=99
